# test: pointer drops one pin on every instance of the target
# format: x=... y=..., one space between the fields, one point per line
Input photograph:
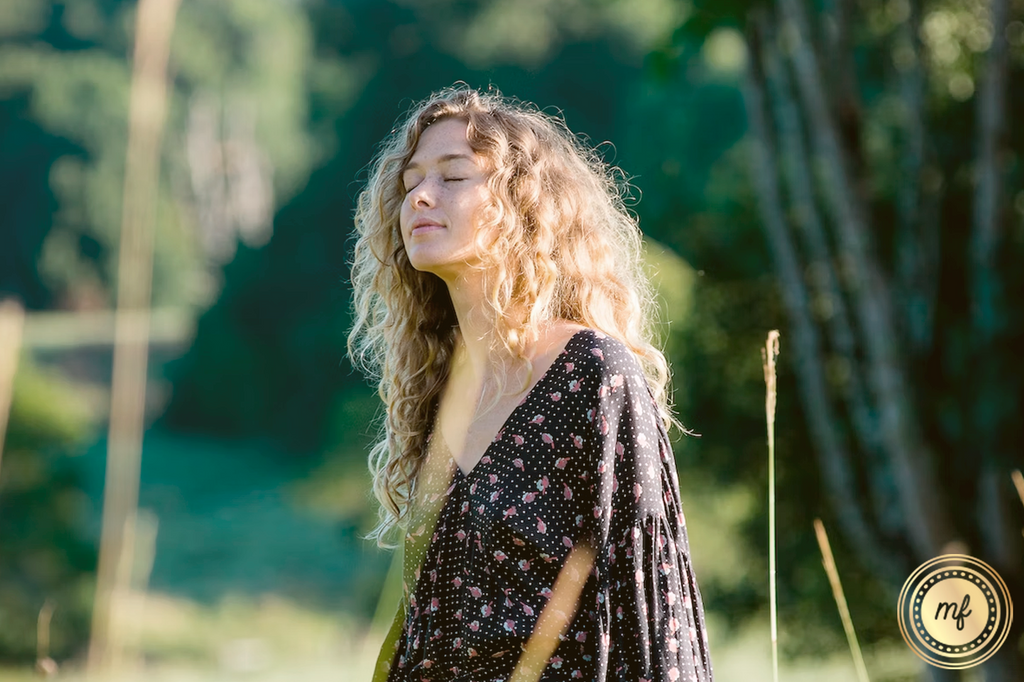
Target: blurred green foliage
x=305 y=91
x=43 y=541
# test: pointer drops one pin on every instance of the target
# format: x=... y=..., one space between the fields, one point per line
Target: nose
x=422 y=195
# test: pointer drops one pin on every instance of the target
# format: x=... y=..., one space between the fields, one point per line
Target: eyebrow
x=442 y=159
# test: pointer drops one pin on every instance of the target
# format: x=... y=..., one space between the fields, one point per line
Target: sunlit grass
x=270 y=639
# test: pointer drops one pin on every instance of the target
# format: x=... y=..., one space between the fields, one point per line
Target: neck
x=474 y=357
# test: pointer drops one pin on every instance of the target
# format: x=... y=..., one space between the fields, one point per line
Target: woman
x=500 y=301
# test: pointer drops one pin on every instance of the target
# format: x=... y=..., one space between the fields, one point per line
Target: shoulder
x=601 y=355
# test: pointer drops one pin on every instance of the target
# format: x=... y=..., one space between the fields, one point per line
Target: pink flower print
x=472 y=652
x=546 y=437
x=615 y=381
x=457 y=643
x=510 y=626
x=518 y=464
x=496 y=494
x=597 y=512
x=538 y=419
x=475 y=592
x=567 y=541
x=427 y=663
x=620 y=449
x=556 y=396
x=601 y=467
x=606 y=639
x=474 y=626
x=500 y=556
x=673 y=624
x=541 y=526
x=457 y=581
x=517 y=439
x=517 y=542
x=575 y=385
x=435 y=604
x=568 y=491
x=618 y=613
x=604 y=426
x=579 y=520
x=458 y=615
x=472 y=489
x=569 y=366
x=686 y=601
x=670 y=597
x=528 y=497
x=460 y=534
x=673 y=644
x=542 y=484
x=597 y=352
x=433 y=576
x=527 y=609
x=637 y=491
x=493 y=478
x=465 y=507
x=480 y=510
x=639 y=577
x=486 y=459
x=576 y=440
x=581 y=636
x=561 y=462
x=511 y=511
x=524 y=564
x=545 y=592
x=641 y=438
x=590 y=414
x=555 y=662
x=485 y=610
x=673 y=674
x=665 y=568
x=576 y=674
x=602 y=392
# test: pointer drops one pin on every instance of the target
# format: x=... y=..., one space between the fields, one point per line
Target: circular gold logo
x=955 y=611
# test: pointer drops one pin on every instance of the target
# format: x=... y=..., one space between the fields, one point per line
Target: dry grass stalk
x=45 y=665
x=1018 y=482
x=828 y=561
x=768 y=355
x=556 y=616
x=147 y=112
x=12 y=322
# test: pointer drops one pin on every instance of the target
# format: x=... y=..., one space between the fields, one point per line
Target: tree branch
x=833 y=458
x=917 y=237
x=836 y=316
x=928 y=523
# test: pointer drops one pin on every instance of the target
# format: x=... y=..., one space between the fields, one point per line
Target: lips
x=425 y=226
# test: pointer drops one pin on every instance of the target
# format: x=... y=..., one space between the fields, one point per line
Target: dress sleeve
x=652 y=618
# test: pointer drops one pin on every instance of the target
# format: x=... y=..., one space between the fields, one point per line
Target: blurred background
x=846 y=172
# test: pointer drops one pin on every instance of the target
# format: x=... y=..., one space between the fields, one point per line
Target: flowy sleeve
x=652 y=617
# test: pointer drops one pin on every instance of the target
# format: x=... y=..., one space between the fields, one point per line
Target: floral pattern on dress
x=583 y=458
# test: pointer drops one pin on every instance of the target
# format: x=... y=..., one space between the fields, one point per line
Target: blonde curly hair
x=560 y=244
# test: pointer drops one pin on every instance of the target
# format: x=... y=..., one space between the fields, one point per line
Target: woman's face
x=446 y=186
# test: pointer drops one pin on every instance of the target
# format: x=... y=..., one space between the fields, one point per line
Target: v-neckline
x=515 y=410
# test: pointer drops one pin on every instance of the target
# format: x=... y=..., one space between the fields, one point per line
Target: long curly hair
x=556 y=241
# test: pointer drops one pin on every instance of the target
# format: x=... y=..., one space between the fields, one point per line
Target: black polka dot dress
x=583 y=458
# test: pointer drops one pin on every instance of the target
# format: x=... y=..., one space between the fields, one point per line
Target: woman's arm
x=652 y=612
